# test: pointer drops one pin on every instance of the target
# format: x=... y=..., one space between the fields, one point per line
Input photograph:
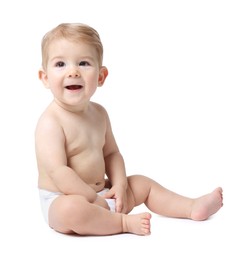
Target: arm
x=52 y=160
x=114 y=163
x=115 y=169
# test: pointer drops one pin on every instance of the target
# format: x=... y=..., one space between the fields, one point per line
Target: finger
x=119 y=206
x=108 y=195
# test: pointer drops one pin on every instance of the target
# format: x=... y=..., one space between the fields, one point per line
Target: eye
x=84 y=63
x=59 y=64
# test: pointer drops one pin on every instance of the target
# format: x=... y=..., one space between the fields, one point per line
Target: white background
x=177 y=95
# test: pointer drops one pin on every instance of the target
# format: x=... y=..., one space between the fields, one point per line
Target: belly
x=91 y=169
x=98 y=186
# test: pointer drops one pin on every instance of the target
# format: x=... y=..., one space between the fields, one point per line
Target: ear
x=43 y=77
x=102 y=75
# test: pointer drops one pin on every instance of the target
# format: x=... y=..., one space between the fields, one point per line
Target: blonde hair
x=76 y=32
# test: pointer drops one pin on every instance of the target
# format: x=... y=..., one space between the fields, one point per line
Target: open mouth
x=74 y=87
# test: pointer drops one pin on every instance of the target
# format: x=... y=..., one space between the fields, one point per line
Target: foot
x=137 y=224
x=205 y=206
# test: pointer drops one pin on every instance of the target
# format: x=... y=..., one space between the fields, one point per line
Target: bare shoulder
x=48 y=122
x=99 y=107
x=100 y=110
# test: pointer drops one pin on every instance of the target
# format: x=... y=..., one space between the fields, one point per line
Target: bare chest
x=84 y=136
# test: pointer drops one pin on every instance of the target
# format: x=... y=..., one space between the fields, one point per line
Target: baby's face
x=72 y=72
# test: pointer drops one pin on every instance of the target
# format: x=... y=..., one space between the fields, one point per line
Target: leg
x=167 y=203
x=73 y=214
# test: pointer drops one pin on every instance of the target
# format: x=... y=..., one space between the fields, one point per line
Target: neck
x=73 y=109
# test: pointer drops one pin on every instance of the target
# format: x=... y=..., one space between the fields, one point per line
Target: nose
x=73 y=73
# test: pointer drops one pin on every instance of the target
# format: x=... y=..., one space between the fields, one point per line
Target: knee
x=138 y=178
x=64 y=213
x=68 y=206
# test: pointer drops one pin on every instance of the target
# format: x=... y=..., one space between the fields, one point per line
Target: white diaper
x=47 y=197
x=111 y=202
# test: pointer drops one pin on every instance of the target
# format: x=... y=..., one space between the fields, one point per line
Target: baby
x=82 y=178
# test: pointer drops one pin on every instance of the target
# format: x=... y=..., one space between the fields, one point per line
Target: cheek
x=54 y=78
x=93 y=78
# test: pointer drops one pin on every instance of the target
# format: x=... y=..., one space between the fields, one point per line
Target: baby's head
x=75 y=32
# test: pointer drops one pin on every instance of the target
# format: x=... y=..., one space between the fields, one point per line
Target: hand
x=119 y=194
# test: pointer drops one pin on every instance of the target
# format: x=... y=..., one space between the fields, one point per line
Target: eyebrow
x=81 y=57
